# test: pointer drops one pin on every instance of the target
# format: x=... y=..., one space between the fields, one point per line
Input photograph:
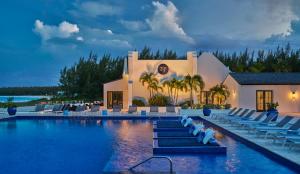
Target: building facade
x=245 y=91
x=256 y=90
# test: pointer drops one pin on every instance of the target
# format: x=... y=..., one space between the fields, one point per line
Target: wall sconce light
x=233 y=93
x=293 y=95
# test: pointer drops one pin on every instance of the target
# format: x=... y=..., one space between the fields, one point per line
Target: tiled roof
x=267 y=78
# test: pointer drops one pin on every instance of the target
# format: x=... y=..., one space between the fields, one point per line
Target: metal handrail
x=155 y=157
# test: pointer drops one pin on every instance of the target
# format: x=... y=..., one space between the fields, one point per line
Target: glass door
x=263 y=98
x=114 y=98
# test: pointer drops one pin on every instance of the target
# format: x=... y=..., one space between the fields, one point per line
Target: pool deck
x=266 y=145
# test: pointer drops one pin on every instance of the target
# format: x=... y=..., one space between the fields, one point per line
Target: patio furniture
x=215 y=115
x=224 y=116
x=232 y=110
x=267 y=120
x=256 y=119
x=241 y=117
x=95 y=108
x=227 y=119
x=132 y=109
x=80 y=108
x=57 y=108
x=284 y=133
x=170 y=110
x=280 y=124
x=39 y=107
x=153 y=110
x=117 y=108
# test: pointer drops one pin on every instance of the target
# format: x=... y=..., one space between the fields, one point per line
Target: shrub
x=209 y=106
x=138 y=102
x=227 y=106
x=198 y=106
x=273 y=105
x=10 y=103
x=182 y=103
x=159 y=100
x=184 y=106
x=217 y=106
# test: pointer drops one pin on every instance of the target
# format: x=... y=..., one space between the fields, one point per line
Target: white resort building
x=247 y=90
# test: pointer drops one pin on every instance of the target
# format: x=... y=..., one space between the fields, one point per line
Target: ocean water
x=97 y=146
x=22 y=98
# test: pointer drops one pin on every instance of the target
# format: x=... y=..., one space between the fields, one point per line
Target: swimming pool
x=97 y=146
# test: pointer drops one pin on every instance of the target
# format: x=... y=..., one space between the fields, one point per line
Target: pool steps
x=170 y=143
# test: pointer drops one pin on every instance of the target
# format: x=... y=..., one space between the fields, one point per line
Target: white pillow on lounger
x=188 y=122
x=209 y=134
x=198 y=128
x=183 y=119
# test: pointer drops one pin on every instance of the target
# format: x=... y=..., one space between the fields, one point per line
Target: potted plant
x=11 y=106
x=206 y=110
x=227 y=106
x=273 y=109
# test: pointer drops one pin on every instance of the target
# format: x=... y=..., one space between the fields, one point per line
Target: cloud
x=109 y=32
x=63 y=30
x=79 y=38
x=116 y=43
x=133 y=25
x=94 y=9
x=96 y=37
x=164 y=22
x=242 y=20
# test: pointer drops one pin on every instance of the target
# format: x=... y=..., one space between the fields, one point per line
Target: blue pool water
x=93 y=147
x=18 y=99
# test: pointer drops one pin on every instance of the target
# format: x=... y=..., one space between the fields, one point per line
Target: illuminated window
x=263 y=98
x=114 y=98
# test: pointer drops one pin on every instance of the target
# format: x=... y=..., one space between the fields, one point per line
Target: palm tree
x=179 y=85
x=151 y=81
x=192 y=84
x=170 y=87
x=220 y=91
x=154 y=87
x=174 y=86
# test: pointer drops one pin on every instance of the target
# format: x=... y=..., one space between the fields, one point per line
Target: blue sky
x=39 y=37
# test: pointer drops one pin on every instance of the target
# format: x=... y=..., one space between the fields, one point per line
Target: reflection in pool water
x=87 y=146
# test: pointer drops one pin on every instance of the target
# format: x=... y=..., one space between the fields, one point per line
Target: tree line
x=147 y=54
x=282 y=59
x=85 y=79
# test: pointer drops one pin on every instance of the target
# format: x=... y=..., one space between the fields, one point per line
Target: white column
x=130 y=83
x=192 y=57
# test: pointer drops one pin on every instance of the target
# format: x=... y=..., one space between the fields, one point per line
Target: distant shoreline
x=29 y=91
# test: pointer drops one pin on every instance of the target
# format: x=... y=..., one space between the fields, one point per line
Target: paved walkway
x=286 y=152
x=295 y=114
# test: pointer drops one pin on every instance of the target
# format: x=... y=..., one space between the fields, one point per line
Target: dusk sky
x=39 y=37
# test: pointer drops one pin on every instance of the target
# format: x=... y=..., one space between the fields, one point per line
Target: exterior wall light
x=233 y=93
x=294 y=95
